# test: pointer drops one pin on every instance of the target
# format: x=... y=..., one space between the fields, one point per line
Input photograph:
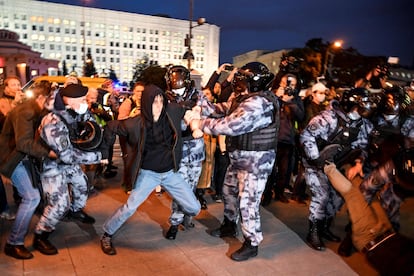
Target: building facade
x=269 y=58
x=116 y=40
x=18 y=59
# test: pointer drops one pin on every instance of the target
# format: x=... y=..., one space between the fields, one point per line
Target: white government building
x=115 y=39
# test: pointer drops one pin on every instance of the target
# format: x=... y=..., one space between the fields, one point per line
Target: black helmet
x=254 y=76
x=177 y=77
x=392 y=100
x=88 y=136
x=366 y=101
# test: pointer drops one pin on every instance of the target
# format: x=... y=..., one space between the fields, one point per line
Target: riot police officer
x=180 y=89
x=348 y=128
x=250 y=121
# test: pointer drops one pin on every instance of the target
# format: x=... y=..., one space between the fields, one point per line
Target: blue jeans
x=147 y=180
x=21 y=179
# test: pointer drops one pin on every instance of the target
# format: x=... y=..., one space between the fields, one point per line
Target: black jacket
x=134 y=130
x=17 y=139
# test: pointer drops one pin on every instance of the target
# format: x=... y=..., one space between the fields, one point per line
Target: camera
x=289 y=91
x=229 y=67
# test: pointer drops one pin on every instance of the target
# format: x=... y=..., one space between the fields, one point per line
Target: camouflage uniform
x=248 y=171
x=193 y=155
x=58 y=174
x=380 y=181
x=325 y=201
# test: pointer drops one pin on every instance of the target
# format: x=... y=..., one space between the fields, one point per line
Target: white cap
x=319 y=87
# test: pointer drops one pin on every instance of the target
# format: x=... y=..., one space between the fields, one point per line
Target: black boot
x=43 y=245
x=326 y=232
x=313 y=237
x=245 y=252
x=200 y=197
x=172 y=232
x=227 y=229
x=346 y=246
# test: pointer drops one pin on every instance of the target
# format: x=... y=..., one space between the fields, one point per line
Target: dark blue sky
x=373 y=27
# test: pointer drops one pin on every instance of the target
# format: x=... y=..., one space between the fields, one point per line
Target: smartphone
x=229 y=67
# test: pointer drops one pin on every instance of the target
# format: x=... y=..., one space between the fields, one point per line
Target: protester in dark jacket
x=154 y=138
x=19 y=146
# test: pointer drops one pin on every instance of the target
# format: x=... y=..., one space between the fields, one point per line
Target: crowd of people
x=250 y=136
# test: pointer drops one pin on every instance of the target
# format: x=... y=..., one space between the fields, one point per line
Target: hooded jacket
x=135 y=130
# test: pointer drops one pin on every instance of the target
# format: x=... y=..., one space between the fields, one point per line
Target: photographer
x=375 y=79
x=291 y=110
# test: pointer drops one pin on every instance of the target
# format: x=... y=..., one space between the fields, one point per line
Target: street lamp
x=187 y=42
x=335 y=45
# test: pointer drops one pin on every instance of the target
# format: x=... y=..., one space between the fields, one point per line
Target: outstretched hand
x=354 y=171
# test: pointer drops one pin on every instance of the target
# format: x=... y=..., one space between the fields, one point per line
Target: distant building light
x=393 y=60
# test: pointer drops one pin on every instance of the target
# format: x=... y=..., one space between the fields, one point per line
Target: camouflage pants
x=380 y=182
x=325 y=200
x=59 y=198
x=243 y=187
x=190 y=169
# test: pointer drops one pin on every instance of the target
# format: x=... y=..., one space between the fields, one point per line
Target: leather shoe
x=172 y=232
x=81 y=216
x=106 y=245
x=17 y=251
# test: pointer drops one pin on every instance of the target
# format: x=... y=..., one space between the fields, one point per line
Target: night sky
x=373 y=27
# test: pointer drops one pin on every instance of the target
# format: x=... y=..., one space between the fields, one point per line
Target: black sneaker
x=106 y=245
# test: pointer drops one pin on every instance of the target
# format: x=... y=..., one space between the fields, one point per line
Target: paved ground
x=143 y=250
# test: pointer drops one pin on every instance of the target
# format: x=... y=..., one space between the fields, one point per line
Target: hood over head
x=147 y=99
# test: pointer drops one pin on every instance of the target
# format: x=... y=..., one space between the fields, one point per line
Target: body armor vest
x=261 y=139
